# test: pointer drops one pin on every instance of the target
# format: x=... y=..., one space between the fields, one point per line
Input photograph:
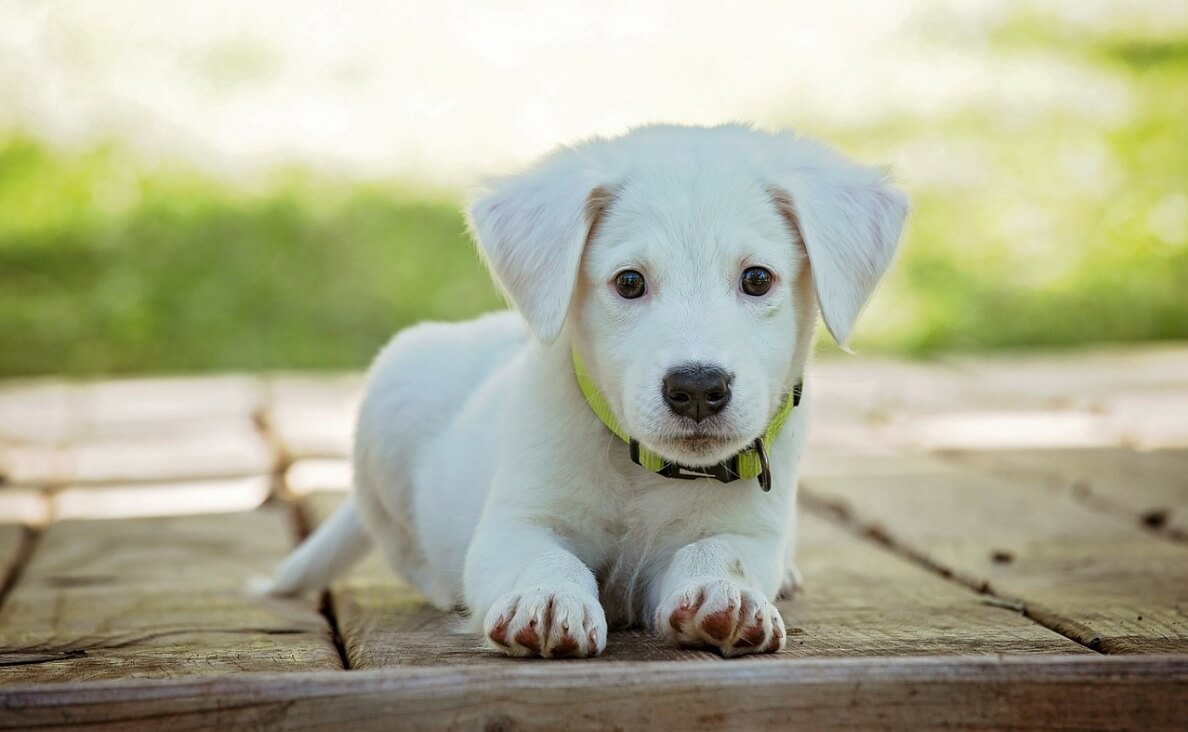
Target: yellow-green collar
x=750 y=463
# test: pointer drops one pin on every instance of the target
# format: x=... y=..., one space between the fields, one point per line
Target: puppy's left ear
x=849 y=219
x=531 y=229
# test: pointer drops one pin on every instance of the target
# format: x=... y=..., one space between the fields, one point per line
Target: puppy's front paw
x=566 y=622
x=721 y=614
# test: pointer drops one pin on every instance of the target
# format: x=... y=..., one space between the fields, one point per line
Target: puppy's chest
x=644 y=533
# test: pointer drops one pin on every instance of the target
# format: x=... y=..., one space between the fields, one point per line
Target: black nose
x=697 y=391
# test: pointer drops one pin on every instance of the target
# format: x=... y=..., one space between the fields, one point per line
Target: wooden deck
x=987 y=543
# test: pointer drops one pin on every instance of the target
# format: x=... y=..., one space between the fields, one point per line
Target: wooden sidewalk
x=987 y=543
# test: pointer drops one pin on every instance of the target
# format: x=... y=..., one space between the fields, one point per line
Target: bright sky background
x=443 y=91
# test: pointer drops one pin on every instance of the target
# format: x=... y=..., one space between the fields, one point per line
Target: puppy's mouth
x=697 y=448
x=698 y=441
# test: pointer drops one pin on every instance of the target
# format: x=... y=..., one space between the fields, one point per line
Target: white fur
x=486 y=479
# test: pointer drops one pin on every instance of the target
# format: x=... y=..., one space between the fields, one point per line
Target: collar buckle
x=724 y=472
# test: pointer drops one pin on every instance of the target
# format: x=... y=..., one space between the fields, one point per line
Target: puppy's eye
x=756 y=281
x=630 y=284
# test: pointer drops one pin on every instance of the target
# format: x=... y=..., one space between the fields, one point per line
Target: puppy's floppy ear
x=532 y=228
x=849 y=219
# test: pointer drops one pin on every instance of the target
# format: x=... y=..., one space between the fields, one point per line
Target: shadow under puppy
x=623 y=449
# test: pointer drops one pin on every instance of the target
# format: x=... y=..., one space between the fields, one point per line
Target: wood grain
x=1091 y=575
x=157 y=598
x=1151 y=488
x=1058 y=693
x=858 y=601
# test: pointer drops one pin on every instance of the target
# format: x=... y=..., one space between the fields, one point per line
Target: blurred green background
x=1042 y=221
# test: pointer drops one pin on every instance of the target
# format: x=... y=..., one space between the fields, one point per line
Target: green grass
x=1056 y=230
x=1068 y=231
x=107 y=271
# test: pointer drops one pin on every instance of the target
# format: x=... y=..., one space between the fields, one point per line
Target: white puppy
x=679 y=272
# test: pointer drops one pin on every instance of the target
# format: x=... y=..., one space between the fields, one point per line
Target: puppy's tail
x=331 y=550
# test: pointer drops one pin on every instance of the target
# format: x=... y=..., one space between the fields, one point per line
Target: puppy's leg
x=715 y=593
x=535 y=597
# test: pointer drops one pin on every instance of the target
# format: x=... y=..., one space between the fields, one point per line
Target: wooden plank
x=885 y=388
x=311 y=475
x=1061 y=693
x=1140 y=393
x=1149 y=487
x=906 y=405
x=859 y=601
x=832 y=464
x=1081 y=377
x=58 y=412
x=1150 y=420
x=152 y=406
x=53 y=433
x=1093 y=576
x=174 y=498
x=203 y=449
x=34 y=464
x=314 y=417
x=24 y=505
x=157 y=598
x=36 y=410
x=225 y=449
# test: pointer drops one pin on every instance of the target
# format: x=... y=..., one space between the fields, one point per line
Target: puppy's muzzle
x=697 y=391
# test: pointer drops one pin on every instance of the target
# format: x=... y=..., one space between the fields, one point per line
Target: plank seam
x=302 y=527
x=331 y=616
x=29 y=539
x=281 y=463
x=840 y=514
x=281 y=460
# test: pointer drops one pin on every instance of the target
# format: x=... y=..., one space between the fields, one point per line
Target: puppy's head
x=687 y=266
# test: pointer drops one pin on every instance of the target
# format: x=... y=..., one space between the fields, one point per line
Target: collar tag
x=764 y=465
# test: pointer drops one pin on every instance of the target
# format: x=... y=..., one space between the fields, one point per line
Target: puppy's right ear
x=532 y=228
